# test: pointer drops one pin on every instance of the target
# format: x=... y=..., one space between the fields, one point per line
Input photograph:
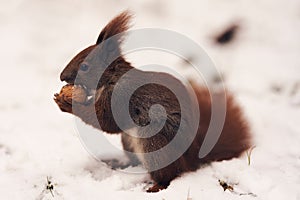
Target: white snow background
x=261 y=67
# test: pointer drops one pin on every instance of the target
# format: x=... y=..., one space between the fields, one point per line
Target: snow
x=261 y=66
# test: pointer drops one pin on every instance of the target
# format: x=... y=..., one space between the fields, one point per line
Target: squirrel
x=234 y=139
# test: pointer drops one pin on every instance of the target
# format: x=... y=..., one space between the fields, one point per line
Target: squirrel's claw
x=64 y=105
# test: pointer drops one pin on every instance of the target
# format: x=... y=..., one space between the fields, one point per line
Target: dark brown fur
x=234 y=139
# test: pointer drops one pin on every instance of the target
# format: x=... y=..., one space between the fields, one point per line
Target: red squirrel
x=235 y=137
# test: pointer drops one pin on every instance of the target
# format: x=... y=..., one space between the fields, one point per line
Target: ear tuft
x=117 y=25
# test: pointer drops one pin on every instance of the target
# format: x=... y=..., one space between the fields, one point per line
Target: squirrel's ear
x=117 y=25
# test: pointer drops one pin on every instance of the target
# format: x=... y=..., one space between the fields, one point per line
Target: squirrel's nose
x=66 y=77
x=63 y=77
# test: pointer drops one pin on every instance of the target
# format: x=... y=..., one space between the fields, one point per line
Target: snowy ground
x=261 y=66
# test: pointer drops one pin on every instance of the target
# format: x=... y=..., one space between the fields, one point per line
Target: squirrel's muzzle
x=68 y=76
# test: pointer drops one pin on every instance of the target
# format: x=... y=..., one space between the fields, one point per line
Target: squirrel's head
x=100 y=63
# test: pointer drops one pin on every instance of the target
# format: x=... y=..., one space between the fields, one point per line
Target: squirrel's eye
x=84 y=67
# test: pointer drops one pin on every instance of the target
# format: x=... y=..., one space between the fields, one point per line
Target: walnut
x=73 y=93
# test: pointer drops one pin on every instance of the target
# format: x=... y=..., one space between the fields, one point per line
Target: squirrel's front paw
x=63 y=103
